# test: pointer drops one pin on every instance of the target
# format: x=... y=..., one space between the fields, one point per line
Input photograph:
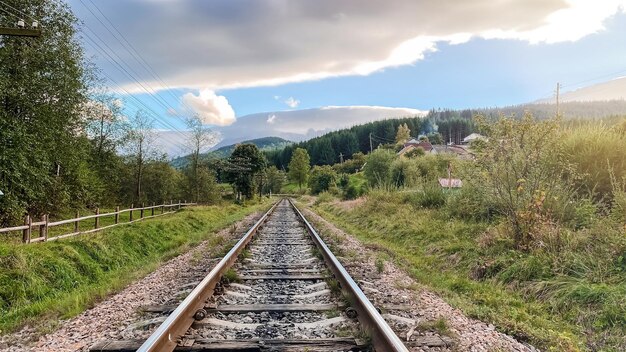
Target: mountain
x=264 y=144
x=293 y=125
x=299 y=125
x=614 y=89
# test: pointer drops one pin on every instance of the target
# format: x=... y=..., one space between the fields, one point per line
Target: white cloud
x=276 y=42
x=292 y=103
x=211 y=108
x=271 y=119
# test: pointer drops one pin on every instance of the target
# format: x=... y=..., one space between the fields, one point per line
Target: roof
x=424 y=144
x=473 y=137
x=447 y=183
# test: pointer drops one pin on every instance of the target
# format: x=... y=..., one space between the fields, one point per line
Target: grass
x=569 y=300
x=42 y=282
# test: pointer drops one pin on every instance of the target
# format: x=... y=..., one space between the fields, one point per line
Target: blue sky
x=226 y=59
x=479 y=73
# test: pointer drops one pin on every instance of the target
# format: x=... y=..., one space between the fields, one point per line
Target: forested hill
x=449 y=125
x=264 y=144
x=326 y=149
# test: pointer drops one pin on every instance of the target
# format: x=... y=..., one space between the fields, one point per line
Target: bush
x=469 y=203
x=523 y=172
x=430 y=196
x=322 y=178
x=378 y=168
x=404 y=173
x=595 y=151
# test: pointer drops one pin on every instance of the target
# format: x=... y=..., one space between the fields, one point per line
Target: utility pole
x=20 y=31
x=371 y=147
x=341 y=157
x=558 y=89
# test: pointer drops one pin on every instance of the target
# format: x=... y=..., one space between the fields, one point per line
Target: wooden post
x=76 y=222
x=44 y=227
x=153 y=205
x=117 y=214
x=28 y=221
x=131 y=213
x=179 y=204
x=162 y=208
x=143 y=205
x=97 y=223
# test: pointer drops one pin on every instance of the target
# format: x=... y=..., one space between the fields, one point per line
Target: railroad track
x=279 y=288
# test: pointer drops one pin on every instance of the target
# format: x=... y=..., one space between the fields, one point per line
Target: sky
x=227 y=59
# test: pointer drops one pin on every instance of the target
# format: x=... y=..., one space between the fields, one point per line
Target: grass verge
x=42 y=282
x=443 y=254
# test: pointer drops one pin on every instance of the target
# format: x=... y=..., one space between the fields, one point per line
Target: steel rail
x=383 y=337
x=180 y=320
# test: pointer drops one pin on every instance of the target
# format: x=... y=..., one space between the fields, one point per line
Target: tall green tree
x=43 y=86
x=299 y=166
x=200 y=138
x=141 y=150
x=244 y=163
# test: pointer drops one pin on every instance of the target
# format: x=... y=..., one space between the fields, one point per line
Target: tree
x=403 y=134
x=275 y=179
x=43 y=85
x=200 y=138
x=299 y=166
x=378 y=168
x=140 y=139
x=243 y=164
x=322 y=178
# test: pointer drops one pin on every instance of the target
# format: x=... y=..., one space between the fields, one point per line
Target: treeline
x=439 y=125
x=331 y=147
x=65 y=143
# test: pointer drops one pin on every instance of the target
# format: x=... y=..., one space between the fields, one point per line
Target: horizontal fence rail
x=44 y=224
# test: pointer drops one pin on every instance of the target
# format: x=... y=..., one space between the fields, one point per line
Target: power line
x=19 y=11
x=131 y=49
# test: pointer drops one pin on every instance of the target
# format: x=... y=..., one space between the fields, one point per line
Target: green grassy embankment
x=44 y=281
x=570 y=300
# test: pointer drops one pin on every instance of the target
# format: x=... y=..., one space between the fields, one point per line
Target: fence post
x=179 y=204
x=45 y=227
x=28 y=221
x=131 y=213
x=42 y=227
x=76 y=222
x=152 y=212
x=97 y=224
x=143 y=205
x=162 y=208
x=117 y=214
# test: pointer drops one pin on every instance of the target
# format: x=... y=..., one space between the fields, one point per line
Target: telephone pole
x=341 y=157
x=371 y=148
x=20 y=32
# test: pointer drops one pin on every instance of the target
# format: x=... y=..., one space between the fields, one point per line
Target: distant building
x=414 y=144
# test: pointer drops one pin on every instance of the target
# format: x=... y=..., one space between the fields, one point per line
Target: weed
x=439 y=326
x=380 y=265
x=231 y=276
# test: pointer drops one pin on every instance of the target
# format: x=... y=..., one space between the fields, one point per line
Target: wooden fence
x=44 y=224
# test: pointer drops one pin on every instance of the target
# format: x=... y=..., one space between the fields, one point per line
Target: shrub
x=378 y=168
x=524 y=173
x=430 y=196
x=596 y=151
x=322 y=178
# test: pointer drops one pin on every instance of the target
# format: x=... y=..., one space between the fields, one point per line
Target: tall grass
x=61 y=278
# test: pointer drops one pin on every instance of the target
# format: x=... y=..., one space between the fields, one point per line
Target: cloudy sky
x=225 y=59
